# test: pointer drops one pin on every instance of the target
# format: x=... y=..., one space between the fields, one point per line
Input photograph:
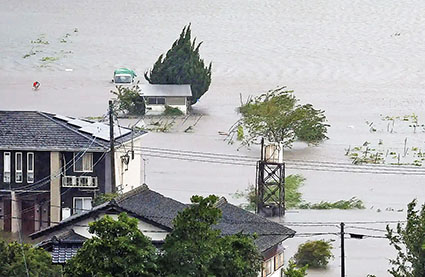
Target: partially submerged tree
x=409 y=241
x=129 y=100
x=277 y=117
x=293 y=197
x=194 y=248
x=315 y=254
x=19 y=259
x=182 y=65
x=118 y=249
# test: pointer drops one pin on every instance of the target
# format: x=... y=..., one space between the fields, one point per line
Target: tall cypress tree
x=182 y=65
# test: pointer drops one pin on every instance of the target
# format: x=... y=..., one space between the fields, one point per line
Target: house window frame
x=81 y=158
x=265 y=273
x=74 y=209
x=30 y=173
x=276 y=258
x=19 y=172
x=10 y=167
x=156 y=100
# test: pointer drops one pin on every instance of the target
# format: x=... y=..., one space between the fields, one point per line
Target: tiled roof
x=160 y=210
x=40 y=131
x=151 y=205
x=235 y=220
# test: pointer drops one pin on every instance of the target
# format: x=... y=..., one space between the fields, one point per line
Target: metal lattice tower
x=270 y=183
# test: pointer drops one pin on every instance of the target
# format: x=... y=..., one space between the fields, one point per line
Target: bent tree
x=277 y=117
x=182 y=65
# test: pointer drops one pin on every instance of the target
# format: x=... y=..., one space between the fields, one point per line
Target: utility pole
x=342 y=251
x=112 y=145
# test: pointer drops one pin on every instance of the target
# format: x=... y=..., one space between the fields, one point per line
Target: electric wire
x=288 y=166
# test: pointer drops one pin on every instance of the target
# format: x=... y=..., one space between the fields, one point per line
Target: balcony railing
x=79 y=181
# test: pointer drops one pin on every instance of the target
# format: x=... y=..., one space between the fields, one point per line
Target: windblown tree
x=409 y=241
x=277 y=117
x=119 y=249
x=194 y=248
x=182 y=65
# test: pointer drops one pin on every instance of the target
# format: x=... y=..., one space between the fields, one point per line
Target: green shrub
x=129 y=100
x=172 y=111
x=104 y=197
x=293 y=271
x=315 y=254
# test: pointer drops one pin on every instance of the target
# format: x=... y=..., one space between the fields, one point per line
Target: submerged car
x=123 y=76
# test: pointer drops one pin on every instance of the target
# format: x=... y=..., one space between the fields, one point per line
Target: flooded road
x=358 y=60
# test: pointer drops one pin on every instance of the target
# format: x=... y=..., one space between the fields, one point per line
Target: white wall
x=159 y=109
x=149 y=230
x=132 y=177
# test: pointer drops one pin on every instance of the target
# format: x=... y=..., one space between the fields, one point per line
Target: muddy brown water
x=357 y=60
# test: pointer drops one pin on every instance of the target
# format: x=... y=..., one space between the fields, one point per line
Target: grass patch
x=49 y=59
x=40 y=40
x=350 y=204
x=31 y=53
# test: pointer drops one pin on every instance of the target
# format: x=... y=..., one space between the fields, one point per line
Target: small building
x=158 y=96
x=155 y=213
x=53 y=166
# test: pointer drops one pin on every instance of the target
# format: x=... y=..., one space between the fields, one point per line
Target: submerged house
x=155 y=213
x=157 y=97
x=53 y=166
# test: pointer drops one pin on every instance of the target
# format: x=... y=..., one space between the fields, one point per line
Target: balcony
x=79 y=182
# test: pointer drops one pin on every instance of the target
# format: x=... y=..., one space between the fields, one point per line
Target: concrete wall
x=170 y=101
x=128 y=176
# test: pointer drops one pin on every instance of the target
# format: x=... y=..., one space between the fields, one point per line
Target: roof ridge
x=69 y=128
x=130 y=193
x=221 y=201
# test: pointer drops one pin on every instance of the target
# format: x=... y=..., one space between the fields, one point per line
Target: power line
x=288 y=166
x=293 y=161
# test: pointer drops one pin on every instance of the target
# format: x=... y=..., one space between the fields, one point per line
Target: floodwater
x=357 y=60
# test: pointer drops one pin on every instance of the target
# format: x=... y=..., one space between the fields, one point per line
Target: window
x=82 y=204
x=123 y=79
x=268 y=267
x=18 y=167
x=176 y=100
x=278 y=261
x=6 y=167
x=156 y=100
x=30 y=167
x=83 y=163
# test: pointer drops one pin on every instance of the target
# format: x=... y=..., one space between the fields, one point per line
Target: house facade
x=157 y=97
x=52 y=167
x=155 y=214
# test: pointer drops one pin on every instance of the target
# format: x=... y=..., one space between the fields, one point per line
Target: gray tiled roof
x=151 y=205
x=40 y=131
x=235 y=220
x=161 y=210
